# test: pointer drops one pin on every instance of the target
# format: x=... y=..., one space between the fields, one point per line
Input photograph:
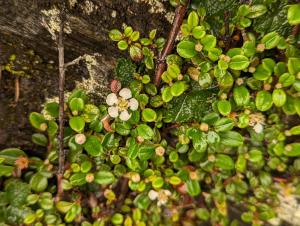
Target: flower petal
x=258 y=128
x=124 y=116
x=113 y=112
x=133 y=104
x=111 y=99
x=125 y=93
x=152 y=194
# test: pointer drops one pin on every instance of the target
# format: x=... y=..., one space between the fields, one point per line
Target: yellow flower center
x=122 y=104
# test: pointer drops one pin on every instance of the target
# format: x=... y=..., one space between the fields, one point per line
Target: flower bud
x=115 y=86
x=89 y=177
x=80 y=138
x=204 y=127
x=160 y=151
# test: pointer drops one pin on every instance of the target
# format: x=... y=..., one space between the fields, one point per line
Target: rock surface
x=89 y=21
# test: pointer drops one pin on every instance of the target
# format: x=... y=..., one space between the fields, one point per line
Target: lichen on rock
x=51 y=21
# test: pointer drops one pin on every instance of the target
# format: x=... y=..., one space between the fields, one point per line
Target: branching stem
x=61 y=64
x=161 y=60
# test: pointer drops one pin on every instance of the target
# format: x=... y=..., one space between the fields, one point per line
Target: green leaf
x=191 y=106
x=224 y=162
x=271 y=40
x=203 y=214
x=241 y=95
x=136 y=53
x=78 y=93
x=52 y=128
x=239 y=62
x=249 y=48
x=142 y=201
x=198 y=32
x=263 y=100
x=245 y=22
x=295 y=130
x=173 y=71
x=104 y=177
x=6 y=170
x=193 y=19
x=90 y=113
x=231 y=138
x=243 y=10
x=205 y=80
x=261 y=73
x=178 y=88
x=292 y=150
x=294 y=14
x=78 y=179
x=145 y=131
x=76 y=105
x=38 y=182
x=149 y=115
x=63 y=206
x=224 y=124
x=158 y=182
x=72 y=213
x=166 y=94
x=286 y=79
x=39 y=139
x=241 y=163
x=77 y=123
x=135 y=36
x=186 y=49
x=93 y=146
x=115 y=35
x=224 y=107
x=38 y=121
x=193 y=187
x=279 y=97
x=146 y=151
x=52 y=109
x=209 y=42
x=255 y=155
x=86 y=166
x=10 y=155
x=133 y=148
x=257 y=11
x=294 y=65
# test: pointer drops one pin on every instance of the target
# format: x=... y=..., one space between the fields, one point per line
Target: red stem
x=178 y=19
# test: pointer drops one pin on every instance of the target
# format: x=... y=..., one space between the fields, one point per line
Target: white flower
x=119 y=106
x=162 y=196
x=111 y=99
x=133 y=104
x=124 y=116
x=113 y=112
x=152 y=195
x=258 y=128
x=125 y=93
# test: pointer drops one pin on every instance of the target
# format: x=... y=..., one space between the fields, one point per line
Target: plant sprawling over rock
x=213 y=133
